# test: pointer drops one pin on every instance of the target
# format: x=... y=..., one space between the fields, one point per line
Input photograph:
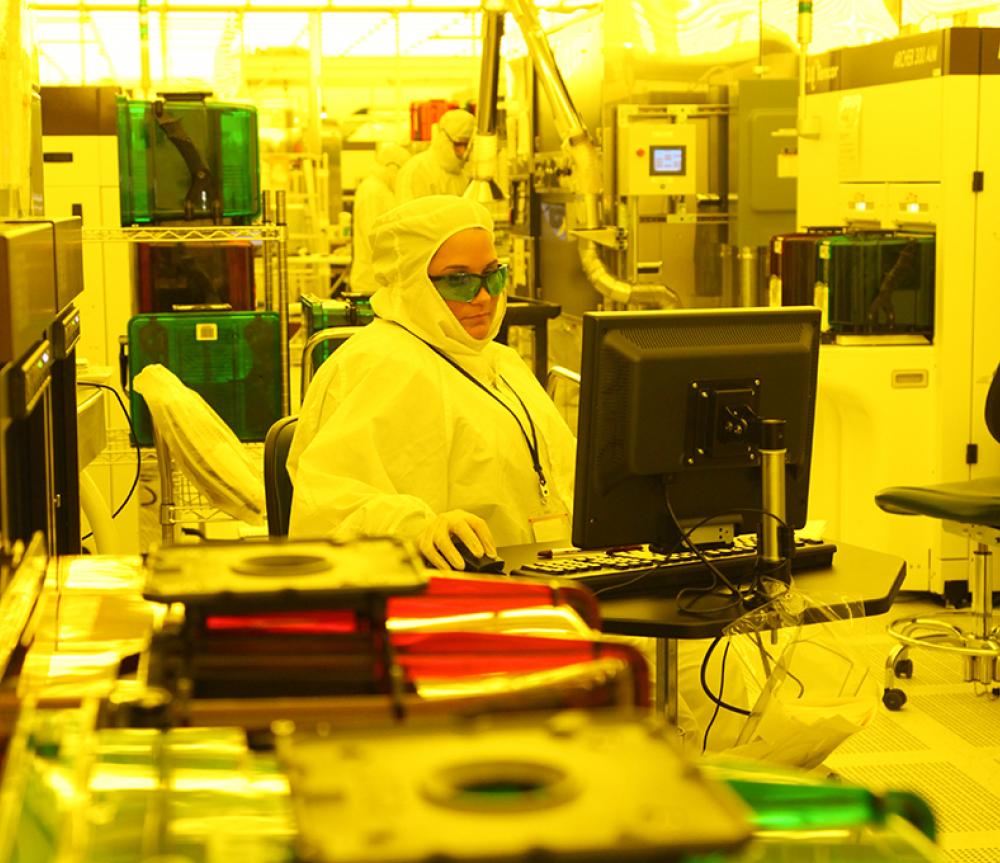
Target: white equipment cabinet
x=87 y=181
x=80 y=169
x=907 y=138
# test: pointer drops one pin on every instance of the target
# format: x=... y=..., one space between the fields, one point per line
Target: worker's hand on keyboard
x=436 y=541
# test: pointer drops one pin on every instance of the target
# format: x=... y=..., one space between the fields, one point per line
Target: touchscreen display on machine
x=667 y=161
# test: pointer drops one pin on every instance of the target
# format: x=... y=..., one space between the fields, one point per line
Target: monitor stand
x=775 y=542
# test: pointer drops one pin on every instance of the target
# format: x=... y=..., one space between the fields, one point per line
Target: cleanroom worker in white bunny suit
x=375 y=195
x=440 y=169
x=421 y=426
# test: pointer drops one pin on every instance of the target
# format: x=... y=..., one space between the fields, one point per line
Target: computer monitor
x=668 y=401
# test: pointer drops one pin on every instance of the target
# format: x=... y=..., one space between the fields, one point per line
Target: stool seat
x=973 y=502
x=972 y=509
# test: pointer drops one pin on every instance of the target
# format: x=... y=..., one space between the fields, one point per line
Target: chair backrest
x=277 y=484
x=993 y=407
x=330 y=334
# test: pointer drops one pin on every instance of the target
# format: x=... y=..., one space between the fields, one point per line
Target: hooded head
x=404 y=242
x=390 y=158
x=455 y=127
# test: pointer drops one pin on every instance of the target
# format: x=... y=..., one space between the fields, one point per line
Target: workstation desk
x=857 y=579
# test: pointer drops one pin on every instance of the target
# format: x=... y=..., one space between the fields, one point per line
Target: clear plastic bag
x=204 y=448
x=809 y=688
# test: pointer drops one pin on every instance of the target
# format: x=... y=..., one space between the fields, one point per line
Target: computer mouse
x=477 y=563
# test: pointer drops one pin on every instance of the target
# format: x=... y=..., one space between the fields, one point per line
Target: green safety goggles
x=464 y=287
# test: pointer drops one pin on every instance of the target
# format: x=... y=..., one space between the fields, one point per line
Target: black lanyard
x=532 y=442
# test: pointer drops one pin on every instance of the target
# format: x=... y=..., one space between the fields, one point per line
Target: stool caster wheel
x=894 y=699
x=903 y=668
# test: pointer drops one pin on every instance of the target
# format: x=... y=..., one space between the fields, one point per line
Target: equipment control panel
x=28 y=380
x=656 y=158
x=65 y=332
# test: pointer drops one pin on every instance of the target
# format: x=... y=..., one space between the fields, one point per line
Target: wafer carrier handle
x=203 y=187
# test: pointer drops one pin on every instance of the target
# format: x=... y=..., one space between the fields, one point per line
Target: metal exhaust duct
x=586 y=167
x=483 y=187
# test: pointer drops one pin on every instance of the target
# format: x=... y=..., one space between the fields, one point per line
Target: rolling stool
x=972 y=509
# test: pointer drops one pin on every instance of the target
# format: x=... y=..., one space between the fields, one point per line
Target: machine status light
x=668 y=161
x=913 y=207
x=640 y=152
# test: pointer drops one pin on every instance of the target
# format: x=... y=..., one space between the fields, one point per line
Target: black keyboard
x=640 y=569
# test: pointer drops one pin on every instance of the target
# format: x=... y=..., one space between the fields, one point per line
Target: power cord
x=689 y=597
x=643 y=575
x=717 y=699
x=722 y=687
x=700 y=593
x=684 y=538
x=138 y=453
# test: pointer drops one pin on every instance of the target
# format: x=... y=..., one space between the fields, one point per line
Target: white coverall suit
x=390 y=434
x=438 y=170
x=375 y=195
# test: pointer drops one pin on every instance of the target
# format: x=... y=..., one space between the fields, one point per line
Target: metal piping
x=807 y=127
x=145 y=76
x=280 y=216
x=483 y=187
x=489 y=75
x=586 y=166
x=568 y=122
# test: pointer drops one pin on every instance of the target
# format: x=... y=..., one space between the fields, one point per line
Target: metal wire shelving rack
x=181 y=503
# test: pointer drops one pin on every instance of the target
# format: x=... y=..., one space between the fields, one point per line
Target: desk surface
x=524 y=310
x=857 y=575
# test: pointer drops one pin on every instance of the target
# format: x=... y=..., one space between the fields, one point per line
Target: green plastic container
x=231 y=358
x=801 y=818
x=185 y=158
x=878 y=283
x=795 y=264
x=349 y=310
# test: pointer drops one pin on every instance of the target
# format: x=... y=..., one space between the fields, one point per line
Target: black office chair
x=277 y=484
x=972 y=509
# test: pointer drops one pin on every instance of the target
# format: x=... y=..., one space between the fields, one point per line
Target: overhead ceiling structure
x=191 y=41
x=91 y=42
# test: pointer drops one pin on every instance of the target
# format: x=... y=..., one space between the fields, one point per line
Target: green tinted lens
x=458 y=287
x=463 y=287
x=496 y=280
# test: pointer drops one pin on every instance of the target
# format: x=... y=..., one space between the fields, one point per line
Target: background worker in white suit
x=375 y=195
x=440 y=169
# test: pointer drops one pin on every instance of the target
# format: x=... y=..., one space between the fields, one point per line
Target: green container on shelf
x=348 y=310
x=184 y=158
x=879 y=283
x=231 y=358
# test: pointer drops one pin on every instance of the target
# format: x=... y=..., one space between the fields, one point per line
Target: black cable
x=531 y=441
x=700 y=593
x=739 y=597
x=684 y=538
x=138 y=454
x=642 y=575
x=717 y=699
x=718 y=703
